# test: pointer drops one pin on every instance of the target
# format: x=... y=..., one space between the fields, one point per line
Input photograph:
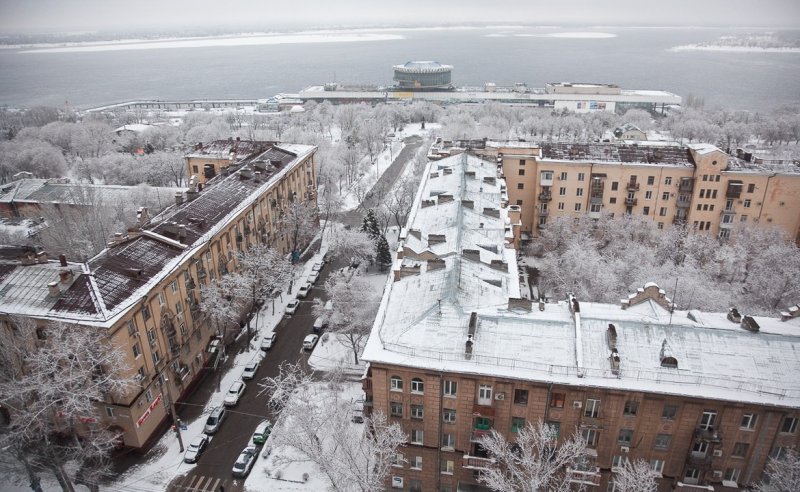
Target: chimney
x=245 y=173
x=178 y=198
x=41 y=257
x=142 y=217
x=257 y=176
x=63 y=260
x=65 y=276
x=53 y=289
x=468 y=348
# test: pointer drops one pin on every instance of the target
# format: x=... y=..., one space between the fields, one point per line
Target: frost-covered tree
x=300 y=223
x=355 y=304
x=383 y=256
x=220 y=308
x=782 y=473
x=280 y=387
x=37 y=157
x=636 y=476
x=351 y=245
x=261 y=271
x=534 y=462
x=52 y=378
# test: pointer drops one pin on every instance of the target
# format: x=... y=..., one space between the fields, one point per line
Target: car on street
x=309 y=342
x=268 y=341
x=304 y=290
x=358 y=412
x=215 y=420
x=251 y=368
x=320 y=323
x=317 y=266
x=313 y=276
x=245 y=461
x=196 y=448
x=292 y=306
x=234 y=393
x=262 y=432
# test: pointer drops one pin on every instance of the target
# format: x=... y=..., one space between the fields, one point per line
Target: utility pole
x=176 y=423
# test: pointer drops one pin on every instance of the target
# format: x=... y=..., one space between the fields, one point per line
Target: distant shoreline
x=734 y=49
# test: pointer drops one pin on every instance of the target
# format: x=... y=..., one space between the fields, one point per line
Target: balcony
x=546 y=179
x=679 y=219
x=734 y=190
x=545 y=196
x=686 y=185
x=631 y=202
x=478 y=433
x=698 y=460
x=710 y=434
x=477 y=463
x=482 y=410
x=684 y=201
x=632 y=186
x=590 y=476
x=544 y=212
x=595 y=215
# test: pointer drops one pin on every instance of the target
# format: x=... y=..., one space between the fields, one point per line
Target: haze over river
x=258 y=66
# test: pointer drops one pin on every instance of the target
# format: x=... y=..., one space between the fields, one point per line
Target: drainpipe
x=439 y=433
x=764 y=198
x=547 y=403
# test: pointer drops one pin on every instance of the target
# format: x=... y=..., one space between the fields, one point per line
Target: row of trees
x=605 y=260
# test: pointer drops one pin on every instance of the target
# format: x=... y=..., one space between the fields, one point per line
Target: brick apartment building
x=698 y=185
x=144 y=288
x=458 y=348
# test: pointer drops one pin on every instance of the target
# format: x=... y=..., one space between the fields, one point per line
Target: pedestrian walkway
x=200 y=483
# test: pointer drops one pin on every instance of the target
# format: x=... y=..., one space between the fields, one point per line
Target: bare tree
x=534 y=462
x=53 y=377
x=783 y=473
x=637 y=476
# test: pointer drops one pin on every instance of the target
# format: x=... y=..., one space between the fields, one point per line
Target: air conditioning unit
x=397 y=482
x=138 y=377
x=718 y=474
x=625 y=449
x=577 y=404
x=500 y=396
x=717 y=452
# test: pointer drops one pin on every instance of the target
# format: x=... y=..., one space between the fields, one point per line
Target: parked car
x=309 y=342
x=320 y=323
x=292 y=306
x=358 y=412
x=317 y=266
x=245 y=461
x=196 y=448
x=234 y=393
x=251 y=368
x=215 y=420
x=304 y=290
x=268 y=341
x=262 y=432
x=326 y=257
x=313 y=276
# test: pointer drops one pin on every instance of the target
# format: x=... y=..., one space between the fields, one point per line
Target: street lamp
x=176 y=423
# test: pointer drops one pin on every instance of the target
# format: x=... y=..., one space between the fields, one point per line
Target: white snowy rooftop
x=426 y=315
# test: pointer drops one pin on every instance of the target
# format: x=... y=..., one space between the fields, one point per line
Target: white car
x=304 y=290
x=317 y=266
x=268 y=341
x=312 y=278
x=292 y=306
x=245 y=461
x=196 y=448
x=309 y=342
x=233 y=395
x=251 y=368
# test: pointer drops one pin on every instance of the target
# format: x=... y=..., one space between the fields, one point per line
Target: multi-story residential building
x=144 y=288
x=459 y=348
x=699 y=186
x=207 y=160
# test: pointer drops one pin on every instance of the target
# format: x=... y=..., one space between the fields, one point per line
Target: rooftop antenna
x=674 y=293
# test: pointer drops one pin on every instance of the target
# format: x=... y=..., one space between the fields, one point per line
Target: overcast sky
x=33 y=16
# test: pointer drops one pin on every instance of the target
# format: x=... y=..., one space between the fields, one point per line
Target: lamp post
x=169 y=405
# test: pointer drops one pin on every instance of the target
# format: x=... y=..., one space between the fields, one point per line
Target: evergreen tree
x=383 y=254
x=370 y=226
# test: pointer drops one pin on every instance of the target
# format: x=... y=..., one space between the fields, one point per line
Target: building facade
x=459 y=349
x=144 y=288
x=209 y=159
x=699 y=186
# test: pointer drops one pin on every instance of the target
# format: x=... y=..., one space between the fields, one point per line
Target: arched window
x=396 y=383
x=417 y=386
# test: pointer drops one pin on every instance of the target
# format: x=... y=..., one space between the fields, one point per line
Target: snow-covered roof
x=440 y=298
x=62 y=191
x=703 y=148
x=134 y=127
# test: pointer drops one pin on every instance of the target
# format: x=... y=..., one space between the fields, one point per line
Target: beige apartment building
x=144 y=288
x=207 y=160
x=459 y=349
x=699 y=185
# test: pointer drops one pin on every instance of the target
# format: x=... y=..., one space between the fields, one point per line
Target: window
x=711 y=207
x=416 y=411
x=449 y=388
x=521 y=397
x=705 y=207
x=562 y=191
x=179 y=307
x=396 y=409
x=751 y=187
x=417 y=386
x=645 y=210
x=546 y=176
x=156 y=357
x=195 y=170
x=660 y=225
x=707 y=420
x=702 y=193
x=648 y=195
x=522 y=172
x=561 y=205
x=705 y=177
x=662 y=212
x=651 y=180
x=789 y=425
x=714 y=192
x=148 y=396
x=484 y=394
x=662 y=441
x=743 y=218
x=625 y=437
x=517 y=423
x=590 y=437
x=110 y=412
x=161 y=300
x=595 y=207
x=449 y=416
x=520 y=186
x=137 y=351
x=699 y=207
x=581 y=176
x=145 y=313
x=732 y=474
x=579 y=192
x=592 y=408
x=577 y=207
x=447 y=467
x=657 y=466
x=448 y=441
x=142 y=374
x=612 y=200
x=777 y=452
x=397 y=459
x=563 y=175
x=618 y=461
x=151 y=336
x=174 y=286
x=519 y=202
x=716 y=178
x=416 y=436
x=665 y=195
x=631 y=407
x=131 y=327
x=614 y=185
x=748 y=421
x=740 y=450
x=416 y=462
x=396 y=383
x=668 y=180
x=669 y=412
x=747 y=203
x=557 y=400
